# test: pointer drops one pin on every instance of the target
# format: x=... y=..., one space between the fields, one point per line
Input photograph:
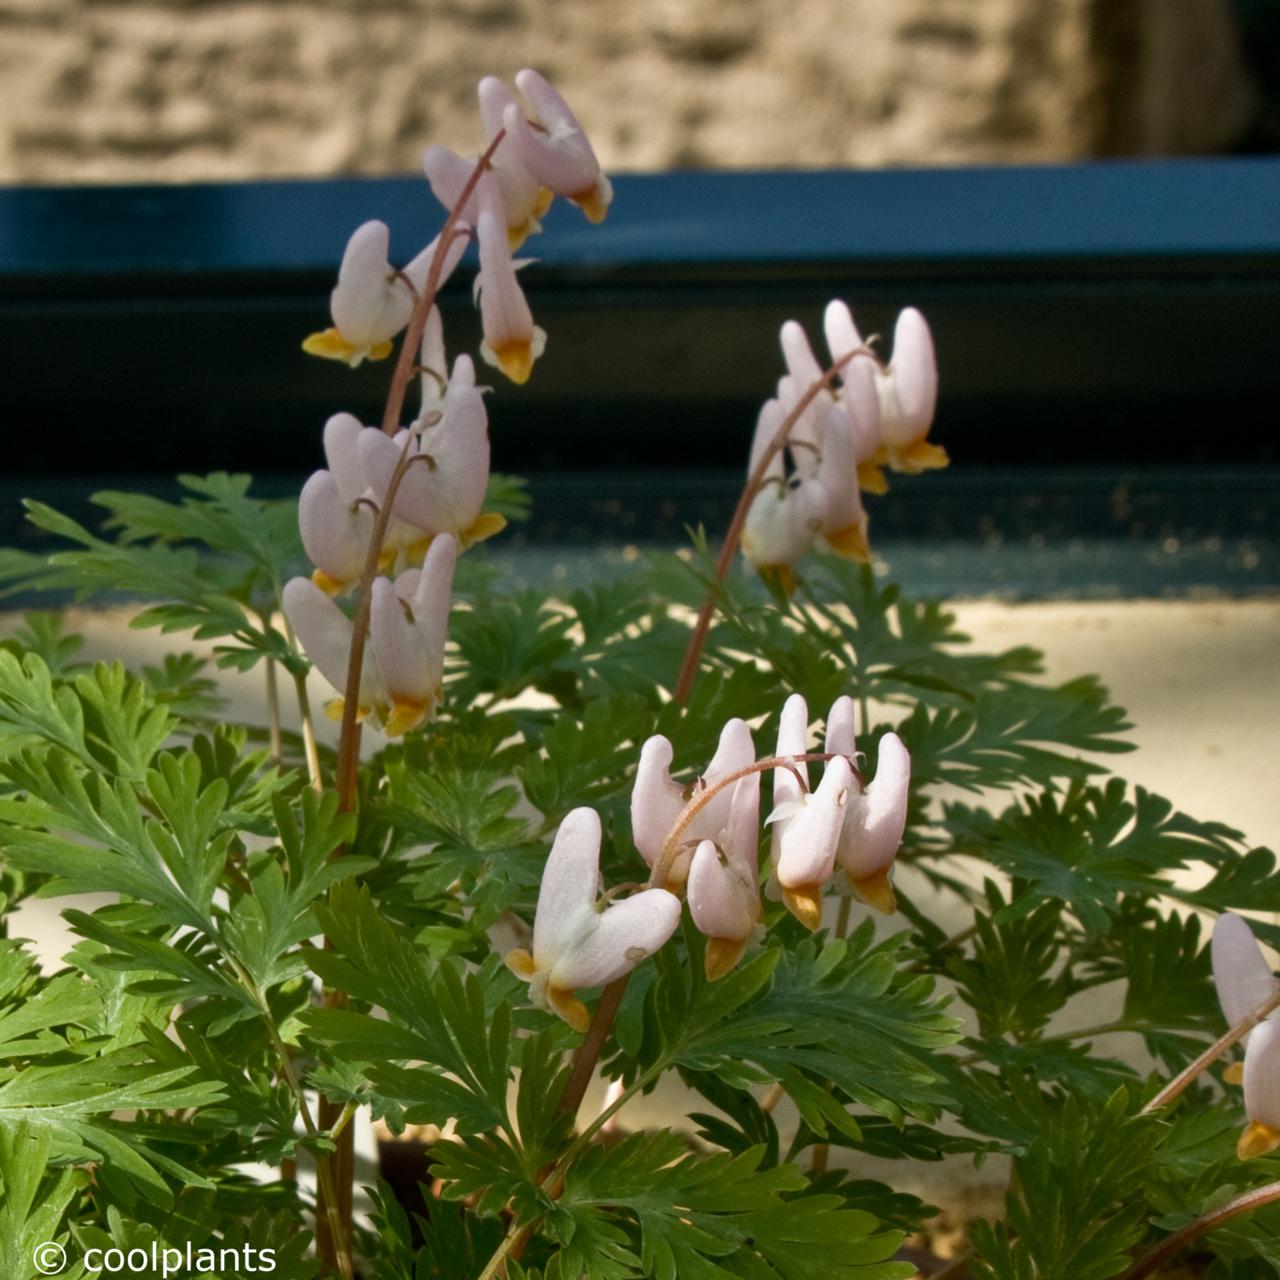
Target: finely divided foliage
x=274 y=937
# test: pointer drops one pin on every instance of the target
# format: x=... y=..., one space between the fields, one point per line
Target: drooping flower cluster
x=438 y=501
x=711 y=853
x=1245 y=983
x=839 y=444
x=841 y=828
x=703 y=840
x=435 y=472
x=539 y=151
x=402 y=674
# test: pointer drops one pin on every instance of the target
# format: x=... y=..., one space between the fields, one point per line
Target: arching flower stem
x=733 y=535
x=409 y=348
x=588 y=1052
x=1188 y=1075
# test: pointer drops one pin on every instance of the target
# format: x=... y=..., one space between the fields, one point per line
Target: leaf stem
x=1166 y=1249
x=496 y=1263
x=326 y=1201
x=309 y=747
x=273 y=712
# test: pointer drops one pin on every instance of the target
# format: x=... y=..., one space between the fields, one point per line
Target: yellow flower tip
x=520 y=962
x=334 y=708
x=405 y=714
x=805 y=903
x=780 y=577
x=414 y=554
x=1258 y=1140
x=330 y=586
x=722 y=955
x=871 y=477
x=542 y=202
x=1234 y=1073
x=515 y=359
x=486 y=526
x=329 y=344
x=918 y=457
x=877 y=892
x=387 y=557
x=592 y=204
x=569 y=1007
x=851 y=542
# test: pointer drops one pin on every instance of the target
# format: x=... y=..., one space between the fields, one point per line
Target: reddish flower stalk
x=1185 y=1078
x=733 y=535
x=1152 y=1262
x=335 y=1254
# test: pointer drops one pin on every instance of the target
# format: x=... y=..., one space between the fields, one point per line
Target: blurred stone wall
x=108 y=90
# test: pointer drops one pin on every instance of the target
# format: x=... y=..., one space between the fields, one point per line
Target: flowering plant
x=547 y=851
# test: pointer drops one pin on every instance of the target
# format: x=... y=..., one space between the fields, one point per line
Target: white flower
x=1245 y=983
x=840 y=824
x=908 y=388
x=371 y=303
x=723 y=886
x=657 y=800
x=787 y=513
x=578 y=943
x=876 y=816
x=335 y=525
x=408 y=624
x=806 y=825
x=859 y=396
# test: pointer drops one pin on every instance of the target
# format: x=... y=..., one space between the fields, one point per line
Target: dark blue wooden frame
x=1111 y=316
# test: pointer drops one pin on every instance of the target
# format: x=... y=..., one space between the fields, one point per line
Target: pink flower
x=403 y=667
x=512 y=342
x=442 y=492
x=577 y=941
x=554 y=147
